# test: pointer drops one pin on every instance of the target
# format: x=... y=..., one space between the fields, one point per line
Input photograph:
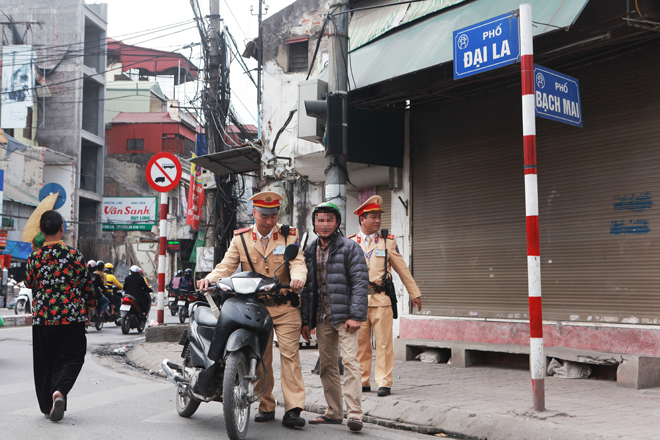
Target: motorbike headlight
x=246 y=285
x=267 y=287
x=223 y=287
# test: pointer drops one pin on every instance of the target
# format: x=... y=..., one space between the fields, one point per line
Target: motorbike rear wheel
x=125 y=325
x=20 y=308
x=98 y=324
x=235 y=403
x=173 y=309
x=182 y=315
x=186 y=406
x=141 y=325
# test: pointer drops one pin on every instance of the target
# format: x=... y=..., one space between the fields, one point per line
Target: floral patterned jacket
x=61 y=288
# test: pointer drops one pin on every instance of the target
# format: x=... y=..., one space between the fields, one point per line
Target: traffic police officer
x=261 y=248
x=380 y=316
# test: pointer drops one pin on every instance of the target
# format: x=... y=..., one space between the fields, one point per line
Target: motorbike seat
x=204 y=316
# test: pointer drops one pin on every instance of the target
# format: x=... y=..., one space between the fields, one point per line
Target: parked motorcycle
x=23 y=303
x=223 y=348
x=131 y=315
x=172 y=299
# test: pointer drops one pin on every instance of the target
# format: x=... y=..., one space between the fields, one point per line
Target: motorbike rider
x=260 y=248
x=174 y=283
x=136 y=286
x=187 y=284
x=100 y=271
x=99 y=287
x=113 y=285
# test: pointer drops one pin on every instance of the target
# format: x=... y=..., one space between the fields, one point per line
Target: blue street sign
x=557 y=96
x=52 y=188
x=487 y=45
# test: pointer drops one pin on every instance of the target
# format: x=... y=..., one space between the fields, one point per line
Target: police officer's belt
x=377 y=288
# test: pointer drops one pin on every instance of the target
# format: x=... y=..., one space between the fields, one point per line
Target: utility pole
x=335 y=178
x=214 y=72
x=259 y=60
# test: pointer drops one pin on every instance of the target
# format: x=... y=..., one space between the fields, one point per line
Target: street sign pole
x=162 y=260
x=536 y=356
x=163 y=174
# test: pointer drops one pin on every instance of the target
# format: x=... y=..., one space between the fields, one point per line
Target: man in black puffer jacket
x=335 y=302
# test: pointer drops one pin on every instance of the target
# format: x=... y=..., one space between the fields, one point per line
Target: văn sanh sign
x=129 y=213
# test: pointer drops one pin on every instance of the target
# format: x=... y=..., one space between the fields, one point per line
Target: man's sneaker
x=383 y=391
x=292 y=419
x=264 y=416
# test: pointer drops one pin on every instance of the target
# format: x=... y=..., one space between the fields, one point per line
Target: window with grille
x=135 y=144
x=298 y=57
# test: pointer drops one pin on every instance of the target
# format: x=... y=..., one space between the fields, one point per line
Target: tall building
x=67 y=43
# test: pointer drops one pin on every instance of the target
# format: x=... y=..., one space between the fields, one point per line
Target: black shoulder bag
x=388 y=284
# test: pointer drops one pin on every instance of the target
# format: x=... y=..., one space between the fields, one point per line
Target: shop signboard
x=129 y=213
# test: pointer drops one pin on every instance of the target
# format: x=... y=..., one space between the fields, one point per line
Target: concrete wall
x=303 y=18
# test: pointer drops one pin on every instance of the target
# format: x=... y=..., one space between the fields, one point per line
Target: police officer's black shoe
x=264 y=416
x=366 y=389
x=292 y=419
x=383 y=391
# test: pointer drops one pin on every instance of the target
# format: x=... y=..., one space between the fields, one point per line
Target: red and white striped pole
x=162 y=249
x=536 y=356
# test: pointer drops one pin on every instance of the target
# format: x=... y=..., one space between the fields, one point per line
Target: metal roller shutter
x=600 y=229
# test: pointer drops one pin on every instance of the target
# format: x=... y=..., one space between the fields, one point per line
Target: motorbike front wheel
x=98 y=324
x=141 y=325
x=125 y=324
x=20 y=308
x=234 y=396
x=186 y=406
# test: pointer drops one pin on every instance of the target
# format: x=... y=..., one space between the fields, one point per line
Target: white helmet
x=135 y=269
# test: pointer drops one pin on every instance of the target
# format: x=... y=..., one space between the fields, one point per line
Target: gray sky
x=129 y=19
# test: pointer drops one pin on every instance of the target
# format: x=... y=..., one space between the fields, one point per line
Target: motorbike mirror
x=291 y=252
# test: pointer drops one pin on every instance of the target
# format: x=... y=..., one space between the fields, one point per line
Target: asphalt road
x=111 y=400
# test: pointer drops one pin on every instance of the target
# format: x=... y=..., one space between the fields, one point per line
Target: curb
x=17 y=320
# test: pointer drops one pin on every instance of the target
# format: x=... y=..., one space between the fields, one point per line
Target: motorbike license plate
x=125 y=307
x=169 y=300
x=181 y=303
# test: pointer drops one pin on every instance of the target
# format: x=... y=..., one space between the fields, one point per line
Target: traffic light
x=330 y=109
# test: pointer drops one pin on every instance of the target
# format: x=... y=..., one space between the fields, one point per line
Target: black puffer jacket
x=347 y=282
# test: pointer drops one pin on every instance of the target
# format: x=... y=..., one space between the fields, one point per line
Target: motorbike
x=23 y=303
x=184 y=304
x=223 y=348
x=172 y=299
x=131 y=315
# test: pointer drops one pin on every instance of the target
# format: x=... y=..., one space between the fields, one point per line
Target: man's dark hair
x=51 y=222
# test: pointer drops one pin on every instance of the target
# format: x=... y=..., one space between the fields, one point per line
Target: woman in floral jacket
x=63 y=292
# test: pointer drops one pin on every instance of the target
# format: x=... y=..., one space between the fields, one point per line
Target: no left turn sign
x=163 y=172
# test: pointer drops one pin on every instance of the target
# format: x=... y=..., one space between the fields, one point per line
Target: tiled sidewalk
x=481 y=402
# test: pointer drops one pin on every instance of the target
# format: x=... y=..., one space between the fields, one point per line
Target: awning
x=428 y=42
x=19 y=250
x=152 y=62
x=14 y=194
x=236 y=161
